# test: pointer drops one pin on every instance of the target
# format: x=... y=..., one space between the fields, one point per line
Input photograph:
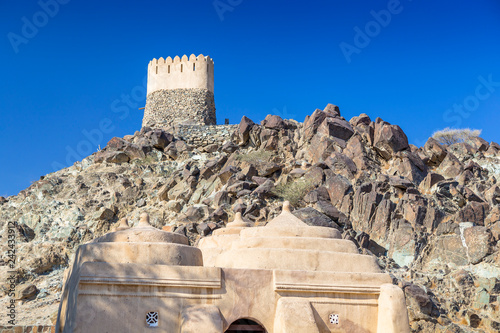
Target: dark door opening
x=245 y=325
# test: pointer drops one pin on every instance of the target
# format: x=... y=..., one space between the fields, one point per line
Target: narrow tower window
x=181 y=67
x=156 y=69
x=194 y=67
x=168 y=69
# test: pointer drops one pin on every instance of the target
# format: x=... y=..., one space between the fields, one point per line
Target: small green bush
x=449 y=136
x=258 y=156
x=148 y=160
x=294 y=191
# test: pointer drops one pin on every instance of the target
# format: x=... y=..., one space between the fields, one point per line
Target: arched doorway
x=245 y=326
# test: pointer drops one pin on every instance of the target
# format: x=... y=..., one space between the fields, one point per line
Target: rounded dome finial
x=286 y=207
x=238 y=222
x=144 y=221
x=237 y=217
x=123 y=225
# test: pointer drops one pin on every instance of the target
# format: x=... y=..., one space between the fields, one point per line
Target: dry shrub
x=449 y=136
x=294 y=191
x=256 y=157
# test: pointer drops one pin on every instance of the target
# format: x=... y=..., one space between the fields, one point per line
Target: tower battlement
x=180 y=91
x=195 y=72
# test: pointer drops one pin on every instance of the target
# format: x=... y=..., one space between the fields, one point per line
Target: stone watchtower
x=180 y=91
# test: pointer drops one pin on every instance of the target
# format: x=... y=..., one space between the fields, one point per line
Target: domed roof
x=288 y=225
x=234 y=227
x=286 y=243
x=142 y=233
x=286 y=219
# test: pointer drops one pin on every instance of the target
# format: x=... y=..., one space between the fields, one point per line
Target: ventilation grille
x=152 y=319
x=334 y=319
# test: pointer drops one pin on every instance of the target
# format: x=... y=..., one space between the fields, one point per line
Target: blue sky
x=72 y=71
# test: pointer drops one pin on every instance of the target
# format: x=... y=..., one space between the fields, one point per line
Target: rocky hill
x=431 y=215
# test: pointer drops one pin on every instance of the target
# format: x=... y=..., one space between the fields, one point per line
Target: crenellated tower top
x=193 y=72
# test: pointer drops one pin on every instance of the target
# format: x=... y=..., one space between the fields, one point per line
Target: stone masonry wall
x=165 y=108
x=204 y=135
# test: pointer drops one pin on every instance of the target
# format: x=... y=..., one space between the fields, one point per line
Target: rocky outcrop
x=431 y=215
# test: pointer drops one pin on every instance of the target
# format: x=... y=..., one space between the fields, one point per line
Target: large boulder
x=493 y=150
x=402 y=242
x=460 y=246
x=314 y=176
x=479 y=144
x=451 y=166
x=243 y=131
x=414 y=209
x=479 y=241
x=341 y=164
x=264 y=190
x=364 y=126
x=226 y=173
x=338 y=187
x=117 y=143
x=418 y=302
x=312 y=122
x=462 y=150
x=474 y=212
x=159 y=139
x=411 y=167
x=492 y=195
x=26 y=291
x=269 y=139
x=362 y=119
x=136 y=152
x=221 y=198
x=389 y=139
x=318 y=194
x=312 y=217
x=434 y=151
x=329 y=210
x=337 y=128
x=380 y=224
x=332 y=110
x=365 y=202
x=355 y=150
x=429 y=181
x=321 y=148
x=273 y=122
x=196 y=213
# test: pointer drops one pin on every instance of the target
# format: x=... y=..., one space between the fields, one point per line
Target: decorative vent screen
x=334 y=319
x=152 y=319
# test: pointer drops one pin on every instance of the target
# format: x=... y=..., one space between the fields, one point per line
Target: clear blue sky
x=69 y=72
